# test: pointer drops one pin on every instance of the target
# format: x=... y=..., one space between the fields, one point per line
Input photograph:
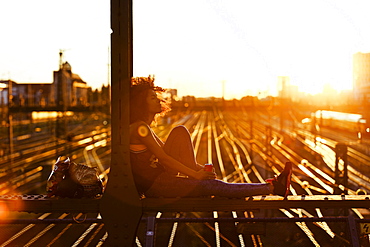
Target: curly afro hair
x=138 y=92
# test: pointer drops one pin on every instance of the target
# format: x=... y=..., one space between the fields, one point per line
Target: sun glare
x=252 y=46
x=197 y=45
x=3 y=211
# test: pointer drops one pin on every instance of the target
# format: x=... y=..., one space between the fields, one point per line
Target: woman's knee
x=178 y=136
x=180 y=130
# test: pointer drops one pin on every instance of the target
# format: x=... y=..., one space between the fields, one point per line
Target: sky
x=201 y=47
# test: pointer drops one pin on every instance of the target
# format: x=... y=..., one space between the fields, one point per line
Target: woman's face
x=154 y=104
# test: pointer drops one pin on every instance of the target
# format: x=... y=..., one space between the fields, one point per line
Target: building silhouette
x=361 y=77
x=66 y=91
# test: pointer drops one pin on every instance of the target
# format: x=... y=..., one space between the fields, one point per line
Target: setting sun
x=248 y=45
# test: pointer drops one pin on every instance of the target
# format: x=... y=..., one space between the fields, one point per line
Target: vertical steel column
x=150 y=231
x=341 y=175
x=353 y=232
x=120 y=206
x=10 y=121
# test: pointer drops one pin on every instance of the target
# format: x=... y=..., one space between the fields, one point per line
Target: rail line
x=241 y=148
x=227 y=143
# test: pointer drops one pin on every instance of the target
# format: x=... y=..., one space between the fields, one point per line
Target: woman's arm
x=148 y=138
x=160 y=142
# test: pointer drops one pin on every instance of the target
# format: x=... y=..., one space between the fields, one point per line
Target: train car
x=342 y=121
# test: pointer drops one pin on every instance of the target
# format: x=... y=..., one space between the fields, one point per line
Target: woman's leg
x=185 y=187
x=180 y=147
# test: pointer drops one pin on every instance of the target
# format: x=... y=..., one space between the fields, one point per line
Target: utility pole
x=10 y=120
x=223 y=93
x=223 y=89
x=61 y=124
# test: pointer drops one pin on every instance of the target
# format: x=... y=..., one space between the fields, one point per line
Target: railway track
x=28 y=164
x=238 y=159
x=241 y=150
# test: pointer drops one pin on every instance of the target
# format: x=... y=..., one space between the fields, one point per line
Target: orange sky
x=193 y=45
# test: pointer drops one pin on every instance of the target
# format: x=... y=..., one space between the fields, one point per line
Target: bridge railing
x=150 y=206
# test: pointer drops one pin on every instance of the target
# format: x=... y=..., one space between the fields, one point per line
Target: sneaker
x=281 y=183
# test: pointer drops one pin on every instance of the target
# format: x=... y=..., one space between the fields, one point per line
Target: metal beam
x=42 y=204
x=120 y=205
x=258 y=202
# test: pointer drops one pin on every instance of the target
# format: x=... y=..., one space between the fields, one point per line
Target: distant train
x=338 y=120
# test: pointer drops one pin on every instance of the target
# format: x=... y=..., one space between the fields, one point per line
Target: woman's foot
x=281 y=183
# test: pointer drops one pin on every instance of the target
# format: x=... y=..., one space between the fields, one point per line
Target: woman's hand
x=204 y=175
x=199 y=167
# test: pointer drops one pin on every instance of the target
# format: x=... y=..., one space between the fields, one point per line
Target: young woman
x=155 y=164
